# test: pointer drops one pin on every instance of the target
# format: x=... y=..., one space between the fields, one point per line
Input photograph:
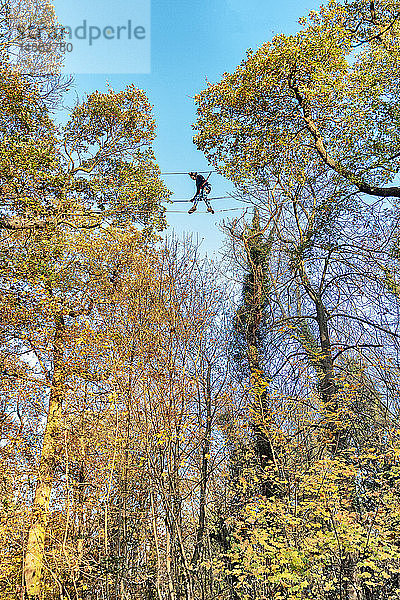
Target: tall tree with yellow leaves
x=99 y=168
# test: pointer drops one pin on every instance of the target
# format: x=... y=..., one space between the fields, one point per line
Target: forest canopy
x=179 y=428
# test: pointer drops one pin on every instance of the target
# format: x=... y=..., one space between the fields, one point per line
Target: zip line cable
x=187 y=200
x=118 y=212
x=185 y=173
x=95 y=212
x=184 y=212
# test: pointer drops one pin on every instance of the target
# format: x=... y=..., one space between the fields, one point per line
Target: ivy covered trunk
x=250 y=318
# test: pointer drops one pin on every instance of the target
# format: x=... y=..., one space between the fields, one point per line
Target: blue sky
x=191 y=41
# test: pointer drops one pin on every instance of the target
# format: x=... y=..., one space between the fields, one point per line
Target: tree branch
x=362 y=186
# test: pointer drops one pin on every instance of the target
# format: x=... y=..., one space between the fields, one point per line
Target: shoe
x=192 y=210
x=210 y=210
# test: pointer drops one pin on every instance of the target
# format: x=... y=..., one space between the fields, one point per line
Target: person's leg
x=195 y=203
x=209 y=207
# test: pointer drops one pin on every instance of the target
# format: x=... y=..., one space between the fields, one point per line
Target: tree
x=52 y=184
x=299 y=126
x=321 y=97
x=251 y=318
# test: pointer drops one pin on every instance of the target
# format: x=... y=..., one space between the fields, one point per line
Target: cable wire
x=186 y=173
x=183 y=212
x=188 y=200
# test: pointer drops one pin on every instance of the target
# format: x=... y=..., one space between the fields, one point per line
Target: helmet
x=193 y=174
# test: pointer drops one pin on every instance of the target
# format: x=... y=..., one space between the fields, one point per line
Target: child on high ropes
x=202 y=189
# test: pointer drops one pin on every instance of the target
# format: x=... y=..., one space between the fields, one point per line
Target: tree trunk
x=204 y=474
x=324 y=365
x=327 y=383
x=257 y=251
x=33 y=569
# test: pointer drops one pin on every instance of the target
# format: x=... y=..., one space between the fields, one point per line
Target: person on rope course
x=202 y=189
